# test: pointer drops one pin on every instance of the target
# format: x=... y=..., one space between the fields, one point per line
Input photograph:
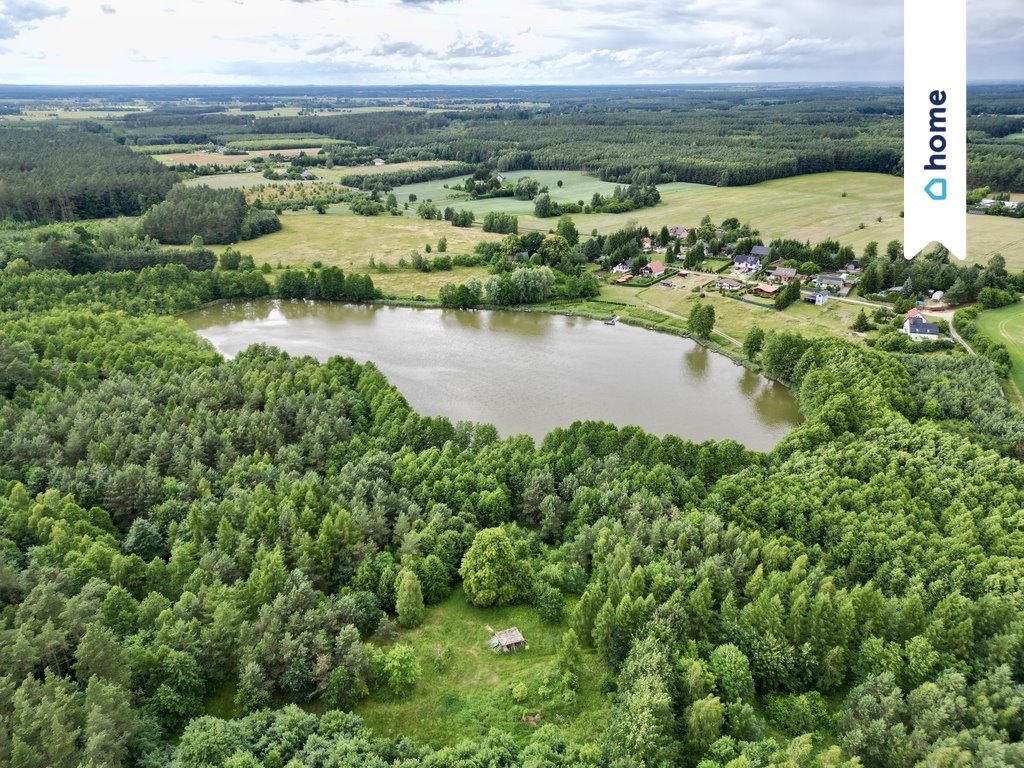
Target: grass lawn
x=473 y=694
x=1006 y=325
x=340 y=238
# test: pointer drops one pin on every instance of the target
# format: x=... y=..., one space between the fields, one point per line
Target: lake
x=524 y=372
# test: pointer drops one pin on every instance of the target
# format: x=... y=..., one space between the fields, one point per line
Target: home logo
x=935 y=126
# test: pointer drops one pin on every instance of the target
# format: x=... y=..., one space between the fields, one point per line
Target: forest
x=172 y=522
x=63 y=175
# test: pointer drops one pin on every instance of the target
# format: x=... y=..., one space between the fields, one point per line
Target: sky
x=395 y=42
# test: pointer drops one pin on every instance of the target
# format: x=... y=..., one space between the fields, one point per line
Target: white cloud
x=497 y=41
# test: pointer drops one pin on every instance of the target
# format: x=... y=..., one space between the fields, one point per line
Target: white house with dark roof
x=919 y=329
x=761 y=251
x=751 y=263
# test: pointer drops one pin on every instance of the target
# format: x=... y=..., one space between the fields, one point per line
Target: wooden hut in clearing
x=507 y=640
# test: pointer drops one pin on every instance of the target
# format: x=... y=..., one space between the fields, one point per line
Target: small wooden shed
x=507 y=640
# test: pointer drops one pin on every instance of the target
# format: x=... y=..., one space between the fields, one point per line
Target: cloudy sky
x=390 y=42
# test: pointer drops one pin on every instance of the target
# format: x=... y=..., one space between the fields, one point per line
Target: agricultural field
x=341 y=238
x=802 y=208
x=1006 y=325
x=472 y=693
x=341 y=171
x=201 y=158
x=215 y=158
x=109 y=113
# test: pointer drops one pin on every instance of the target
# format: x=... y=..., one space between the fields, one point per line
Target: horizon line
x=492 y=85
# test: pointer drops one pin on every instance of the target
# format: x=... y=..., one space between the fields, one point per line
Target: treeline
x=708 y=136
x=386 y=180
x=168 y=290
x=112 y=246
x=66 y=175
x=329 y=283
x=934 y=270
x=215 y=215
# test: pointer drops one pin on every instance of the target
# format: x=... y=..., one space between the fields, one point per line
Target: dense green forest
x=215 y=215
x=172 y=522
x=62 y=175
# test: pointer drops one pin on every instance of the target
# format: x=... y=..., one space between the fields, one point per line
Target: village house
x=378 y=161
x=646 y=243
x=761 y=251
x=818 y=298
x=680 y=232
x=766 y=290
x=728 y=284
x=828 y=282
x=785 y=275
x=750 y=263
x=654 y=269
x=621 y=267
x=918 y=328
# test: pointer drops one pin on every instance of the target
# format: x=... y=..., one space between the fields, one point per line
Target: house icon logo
x=936 y=189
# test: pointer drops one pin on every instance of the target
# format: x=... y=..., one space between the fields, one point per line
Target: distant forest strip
x=51 y=175
x=725 y=137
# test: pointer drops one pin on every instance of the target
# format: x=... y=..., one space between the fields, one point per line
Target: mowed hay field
x=802 y=208
x=472 y=692
x=340 y=238
x=1006 y=325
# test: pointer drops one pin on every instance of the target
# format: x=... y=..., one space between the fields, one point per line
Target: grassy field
x=803 y=208
x=733 y=318
x=343 y=239
x=201 y=158
x=575 y=186
x=473 y=694
x=1006 y=325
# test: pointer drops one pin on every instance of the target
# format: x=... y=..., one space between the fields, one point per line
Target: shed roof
x=507 y=637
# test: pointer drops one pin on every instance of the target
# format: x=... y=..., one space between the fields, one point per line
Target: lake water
x=523 y=372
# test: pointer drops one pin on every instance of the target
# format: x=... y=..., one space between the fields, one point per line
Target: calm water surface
x=523 y=372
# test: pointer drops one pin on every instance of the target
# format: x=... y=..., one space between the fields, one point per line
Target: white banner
x=935 y=125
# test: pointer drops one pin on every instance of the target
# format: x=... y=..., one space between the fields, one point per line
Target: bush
x=396 y=669
x=550 y=603
x=503 y=223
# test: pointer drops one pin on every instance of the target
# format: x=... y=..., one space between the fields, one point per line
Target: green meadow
x=471 y=692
